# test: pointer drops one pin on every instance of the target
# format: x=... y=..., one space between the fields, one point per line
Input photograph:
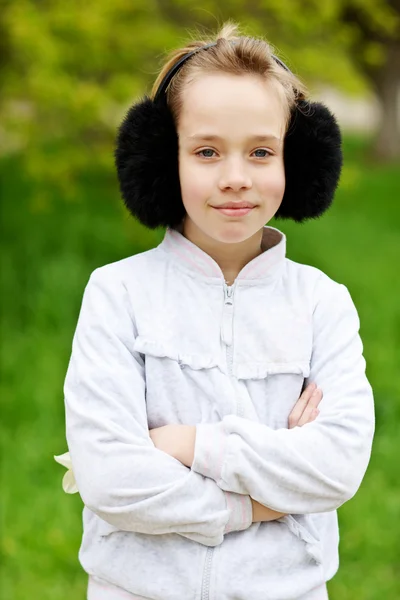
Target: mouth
x=230 y=211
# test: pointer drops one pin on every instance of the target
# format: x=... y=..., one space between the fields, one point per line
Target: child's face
x=235 y=166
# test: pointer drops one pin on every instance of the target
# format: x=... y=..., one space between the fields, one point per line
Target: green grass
x=48 y=251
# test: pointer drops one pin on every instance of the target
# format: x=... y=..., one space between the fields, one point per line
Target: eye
x=208 y=153
x=200 y=153
x=267 y=153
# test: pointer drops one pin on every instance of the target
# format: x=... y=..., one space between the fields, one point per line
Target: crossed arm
x=179 y=441
x=131 y=479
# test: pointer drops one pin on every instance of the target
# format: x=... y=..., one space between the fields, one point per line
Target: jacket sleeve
x=120 y=474
x=316 y=467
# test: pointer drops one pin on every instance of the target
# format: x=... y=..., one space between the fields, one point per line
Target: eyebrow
x=212 y=137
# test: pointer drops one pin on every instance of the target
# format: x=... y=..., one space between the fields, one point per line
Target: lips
x=235 y=205
x=234 y=212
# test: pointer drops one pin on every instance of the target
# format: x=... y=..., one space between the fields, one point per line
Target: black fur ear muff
x=147 y=164
x=146 y=158
x=313 y=162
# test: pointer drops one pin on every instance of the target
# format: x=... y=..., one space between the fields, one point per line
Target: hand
x=305 y=410
x=263 y=513
x=176 y=440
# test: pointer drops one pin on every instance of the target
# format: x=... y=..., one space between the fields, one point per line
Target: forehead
x=225 y=104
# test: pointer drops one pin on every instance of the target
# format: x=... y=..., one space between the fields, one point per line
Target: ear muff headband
x=146 y=158
x=175 y=68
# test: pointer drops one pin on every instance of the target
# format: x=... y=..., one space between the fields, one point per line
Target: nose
x=234 y=175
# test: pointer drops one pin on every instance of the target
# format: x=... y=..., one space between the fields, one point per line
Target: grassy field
x=48 y=252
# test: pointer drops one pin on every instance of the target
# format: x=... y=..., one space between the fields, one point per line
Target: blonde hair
x=234 y=54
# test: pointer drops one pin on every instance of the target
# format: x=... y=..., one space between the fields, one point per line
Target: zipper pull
x=228 y=294
x=227 y=316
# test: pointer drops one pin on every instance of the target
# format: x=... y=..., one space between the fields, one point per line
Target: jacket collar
x=195 y=261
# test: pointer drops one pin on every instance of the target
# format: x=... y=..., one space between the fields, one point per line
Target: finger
x=306 y=417
x=311 y=406
x=313 y=402
x=314 y=414
x=301 y=403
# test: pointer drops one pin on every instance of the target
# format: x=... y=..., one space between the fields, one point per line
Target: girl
x=191 y=393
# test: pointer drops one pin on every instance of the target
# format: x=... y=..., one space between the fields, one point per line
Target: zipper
x=227 y=325
x=227 y=335
x=227 y=338
x=205 y=593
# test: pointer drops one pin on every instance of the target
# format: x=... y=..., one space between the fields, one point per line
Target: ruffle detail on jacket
x=262 y=370
x=313 y=545
x=161 y=349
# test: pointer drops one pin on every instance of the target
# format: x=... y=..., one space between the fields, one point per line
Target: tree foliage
x=69 y=70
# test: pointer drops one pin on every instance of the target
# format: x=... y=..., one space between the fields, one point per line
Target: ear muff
x=146 y=158
x=147 y=165
x=313 y=162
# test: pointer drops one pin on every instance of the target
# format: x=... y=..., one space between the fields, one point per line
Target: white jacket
x=162 y=339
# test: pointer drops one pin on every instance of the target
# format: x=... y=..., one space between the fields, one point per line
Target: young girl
x=191 y=395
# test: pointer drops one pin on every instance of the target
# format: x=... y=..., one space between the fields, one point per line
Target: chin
x=233 y=233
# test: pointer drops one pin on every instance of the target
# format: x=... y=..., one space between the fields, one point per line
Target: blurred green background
x=68 y=72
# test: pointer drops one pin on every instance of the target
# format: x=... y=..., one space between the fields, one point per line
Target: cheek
x=273 y=184
x=194 y=186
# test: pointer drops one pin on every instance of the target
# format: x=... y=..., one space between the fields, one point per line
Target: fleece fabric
x=162 y=339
